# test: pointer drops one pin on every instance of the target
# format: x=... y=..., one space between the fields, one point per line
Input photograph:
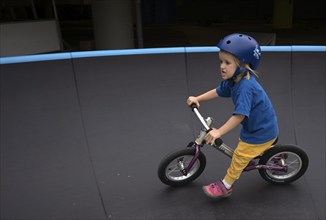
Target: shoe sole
x=216 y=197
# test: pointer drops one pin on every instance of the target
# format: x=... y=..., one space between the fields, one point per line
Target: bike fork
x=185 y=170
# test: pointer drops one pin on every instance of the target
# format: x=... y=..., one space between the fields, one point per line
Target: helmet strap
x=238 y=71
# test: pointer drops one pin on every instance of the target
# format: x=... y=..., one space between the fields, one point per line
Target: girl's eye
x=225 y=62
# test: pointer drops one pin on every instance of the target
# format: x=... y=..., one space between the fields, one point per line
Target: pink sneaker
x=217 y=190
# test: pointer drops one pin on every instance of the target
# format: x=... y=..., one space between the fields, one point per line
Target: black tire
x=169 y=171
x=296 y=161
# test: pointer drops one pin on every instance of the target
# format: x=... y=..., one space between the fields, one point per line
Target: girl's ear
x=252 y=71
x=245 y=66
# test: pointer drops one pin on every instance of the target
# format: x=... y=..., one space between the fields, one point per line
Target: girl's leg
x=243 y=154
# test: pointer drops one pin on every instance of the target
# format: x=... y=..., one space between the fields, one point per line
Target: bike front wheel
x=170 y=168
x=294 y=160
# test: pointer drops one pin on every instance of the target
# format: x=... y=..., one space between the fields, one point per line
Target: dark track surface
x=82 y=138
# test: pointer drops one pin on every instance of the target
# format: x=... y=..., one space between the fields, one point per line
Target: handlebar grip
x=193 y=106
x=218 y=142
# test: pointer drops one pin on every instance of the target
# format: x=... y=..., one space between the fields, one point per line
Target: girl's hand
x=212 y=136
x=193 y=100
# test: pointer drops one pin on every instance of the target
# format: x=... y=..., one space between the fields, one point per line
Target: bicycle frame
x=219 y=145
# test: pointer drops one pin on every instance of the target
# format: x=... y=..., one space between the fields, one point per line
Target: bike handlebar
x=201 y=119
x=194 y=108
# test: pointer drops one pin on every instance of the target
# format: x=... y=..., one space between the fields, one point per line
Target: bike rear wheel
x=170 y=168
x=291 y=157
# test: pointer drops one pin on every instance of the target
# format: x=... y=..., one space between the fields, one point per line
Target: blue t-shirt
x=250 y=100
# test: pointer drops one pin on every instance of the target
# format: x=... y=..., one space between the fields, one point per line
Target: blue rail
x=172 y=50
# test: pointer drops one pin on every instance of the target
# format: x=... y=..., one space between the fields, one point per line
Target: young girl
x=239 y=57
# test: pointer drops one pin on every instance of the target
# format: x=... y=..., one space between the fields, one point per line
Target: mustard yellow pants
x=243 y=154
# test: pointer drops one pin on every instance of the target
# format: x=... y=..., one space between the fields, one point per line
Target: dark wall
x=225 y=10
x=81 y=138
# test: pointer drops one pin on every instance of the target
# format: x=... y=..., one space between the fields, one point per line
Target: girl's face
x=228 y=64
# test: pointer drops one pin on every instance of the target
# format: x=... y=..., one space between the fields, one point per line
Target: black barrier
x=45 y=165
x=82 y=133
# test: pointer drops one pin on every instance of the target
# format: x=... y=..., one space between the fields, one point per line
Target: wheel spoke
x=293 y=163
x=173 y=171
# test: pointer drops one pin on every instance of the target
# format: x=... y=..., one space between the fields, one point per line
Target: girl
x=239 y=57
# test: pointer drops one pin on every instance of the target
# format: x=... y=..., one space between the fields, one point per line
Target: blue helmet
x=244 y=47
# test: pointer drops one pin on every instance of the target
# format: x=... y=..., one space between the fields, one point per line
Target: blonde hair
x=251 y=70
x=246 y=74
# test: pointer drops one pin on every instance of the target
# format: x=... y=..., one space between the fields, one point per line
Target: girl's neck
x=240 y=76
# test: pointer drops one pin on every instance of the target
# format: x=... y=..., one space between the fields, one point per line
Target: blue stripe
x=209 y=49
x=276 y=48
x=201 y=49
x=35 y=58
x=309 y=48
x=294 y=48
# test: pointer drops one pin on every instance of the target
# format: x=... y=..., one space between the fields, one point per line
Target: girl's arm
x=233 y=122
x=203 y=97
